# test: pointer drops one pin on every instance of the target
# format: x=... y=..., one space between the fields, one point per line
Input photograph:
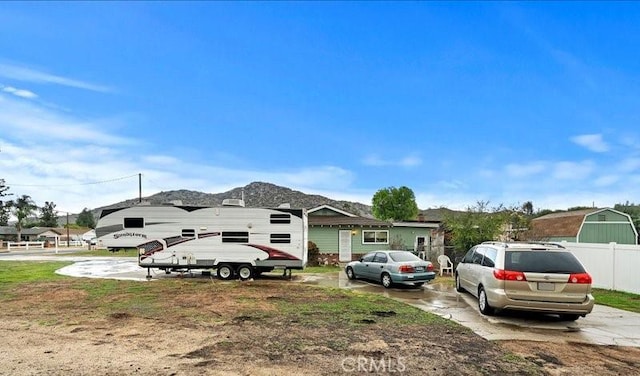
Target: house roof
x=346 y=221
x=329 y=207
x=562 y=224
x=11 y=230
x=72 y=231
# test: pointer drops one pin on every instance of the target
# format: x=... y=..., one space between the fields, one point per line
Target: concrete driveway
x=604 y=326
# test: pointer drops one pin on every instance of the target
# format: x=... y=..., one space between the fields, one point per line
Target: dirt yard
x=82 y=327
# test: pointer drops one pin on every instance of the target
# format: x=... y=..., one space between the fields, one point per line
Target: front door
x=344 y=246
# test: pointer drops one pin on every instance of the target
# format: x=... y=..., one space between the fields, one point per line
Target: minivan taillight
x=406 y=269
x=580 y=278
x=508 y=275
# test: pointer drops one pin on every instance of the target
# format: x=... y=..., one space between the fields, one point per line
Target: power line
x=72 y=185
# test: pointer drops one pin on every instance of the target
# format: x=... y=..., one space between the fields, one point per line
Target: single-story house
x=585 y=226
x=343 y=236
x=9 y=233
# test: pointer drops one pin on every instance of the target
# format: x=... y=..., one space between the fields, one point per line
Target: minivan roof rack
x=506 y=244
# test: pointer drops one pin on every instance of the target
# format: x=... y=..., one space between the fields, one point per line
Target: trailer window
x=235 y=237
x=280 y=238
x=134 y=223
x=188 y=233
x=280 y=218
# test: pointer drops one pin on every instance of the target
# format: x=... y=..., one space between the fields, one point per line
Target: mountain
x=256 y=194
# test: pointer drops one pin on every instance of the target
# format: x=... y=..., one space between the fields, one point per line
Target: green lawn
x=617 y=299
x=128 y=252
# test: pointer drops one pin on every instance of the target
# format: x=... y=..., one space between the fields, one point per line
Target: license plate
x=419 y=269
x=546 y=286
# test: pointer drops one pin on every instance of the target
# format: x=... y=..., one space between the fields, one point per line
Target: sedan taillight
x=406 y=269
x=430 y=267
x=580 y=278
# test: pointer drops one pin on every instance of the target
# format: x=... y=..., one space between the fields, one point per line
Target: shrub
x=313 y=254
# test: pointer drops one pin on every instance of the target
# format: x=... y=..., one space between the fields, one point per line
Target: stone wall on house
x=333 y=259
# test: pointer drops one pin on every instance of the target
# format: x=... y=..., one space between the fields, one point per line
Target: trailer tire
x=245 y=272
x=225 y=272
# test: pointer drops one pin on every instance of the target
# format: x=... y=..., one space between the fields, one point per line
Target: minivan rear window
x=542 y=262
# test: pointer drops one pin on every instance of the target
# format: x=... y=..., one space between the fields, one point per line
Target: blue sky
x=461 y=102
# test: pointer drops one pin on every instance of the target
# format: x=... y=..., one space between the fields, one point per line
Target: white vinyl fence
x=612 y=266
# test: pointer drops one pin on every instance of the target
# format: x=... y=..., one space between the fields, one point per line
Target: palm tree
x=22 y=208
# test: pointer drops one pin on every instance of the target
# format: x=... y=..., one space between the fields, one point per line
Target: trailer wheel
x=245 y=272
x=225 y=272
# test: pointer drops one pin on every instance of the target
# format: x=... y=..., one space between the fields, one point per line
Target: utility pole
x=139 y=188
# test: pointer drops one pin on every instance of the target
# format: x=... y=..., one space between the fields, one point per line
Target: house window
x=602 y=218
x=188 y=233
x=235 y=237
x=375 y=237
x=280 y=238
x=280 y=218
x=134 y=223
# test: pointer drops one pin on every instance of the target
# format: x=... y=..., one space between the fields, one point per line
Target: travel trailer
x=238 y=242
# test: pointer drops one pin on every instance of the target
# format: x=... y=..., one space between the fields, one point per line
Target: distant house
x=585 y=226
x=344 y=236
x=9 y=233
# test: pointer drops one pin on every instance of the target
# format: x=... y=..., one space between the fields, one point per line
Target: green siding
x=571 y=239
x=327 y=238
x=609 y=216
x=602 y=232
x=325 y=212
x=407 y=235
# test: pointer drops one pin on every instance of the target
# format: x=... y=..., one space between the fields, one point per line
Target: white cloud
x=410 y=161
x=525 y=169
x=606 y=180
x=33 y=123
x=19 y=92
x=572 y=170
x=407 y=161
x=20 y=73
x=629 y=164
x=593 y=142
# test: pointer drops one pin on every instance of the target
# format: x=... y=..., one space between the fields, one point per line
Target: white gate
x=344 y=246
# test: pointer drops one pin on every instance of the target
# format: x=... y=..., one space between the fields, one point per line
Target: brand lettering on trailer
x=129 y=234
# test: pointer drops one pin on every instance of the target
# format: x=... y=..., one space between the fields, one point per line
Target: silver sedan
x=391 y=267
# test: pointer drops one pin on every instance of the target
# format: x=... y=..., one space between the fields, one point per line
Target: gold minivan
x=539 y=277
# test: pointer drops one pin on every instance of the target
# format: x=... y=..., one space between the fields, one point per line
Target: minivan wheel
x=386 y=280
x=569 y=317
x=483 y=304
x=458 y=285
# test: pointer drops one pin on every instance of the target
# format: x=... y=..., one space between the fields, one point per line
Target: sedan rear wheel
x=386 y=280
x=458 y=285
x=483 y=304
